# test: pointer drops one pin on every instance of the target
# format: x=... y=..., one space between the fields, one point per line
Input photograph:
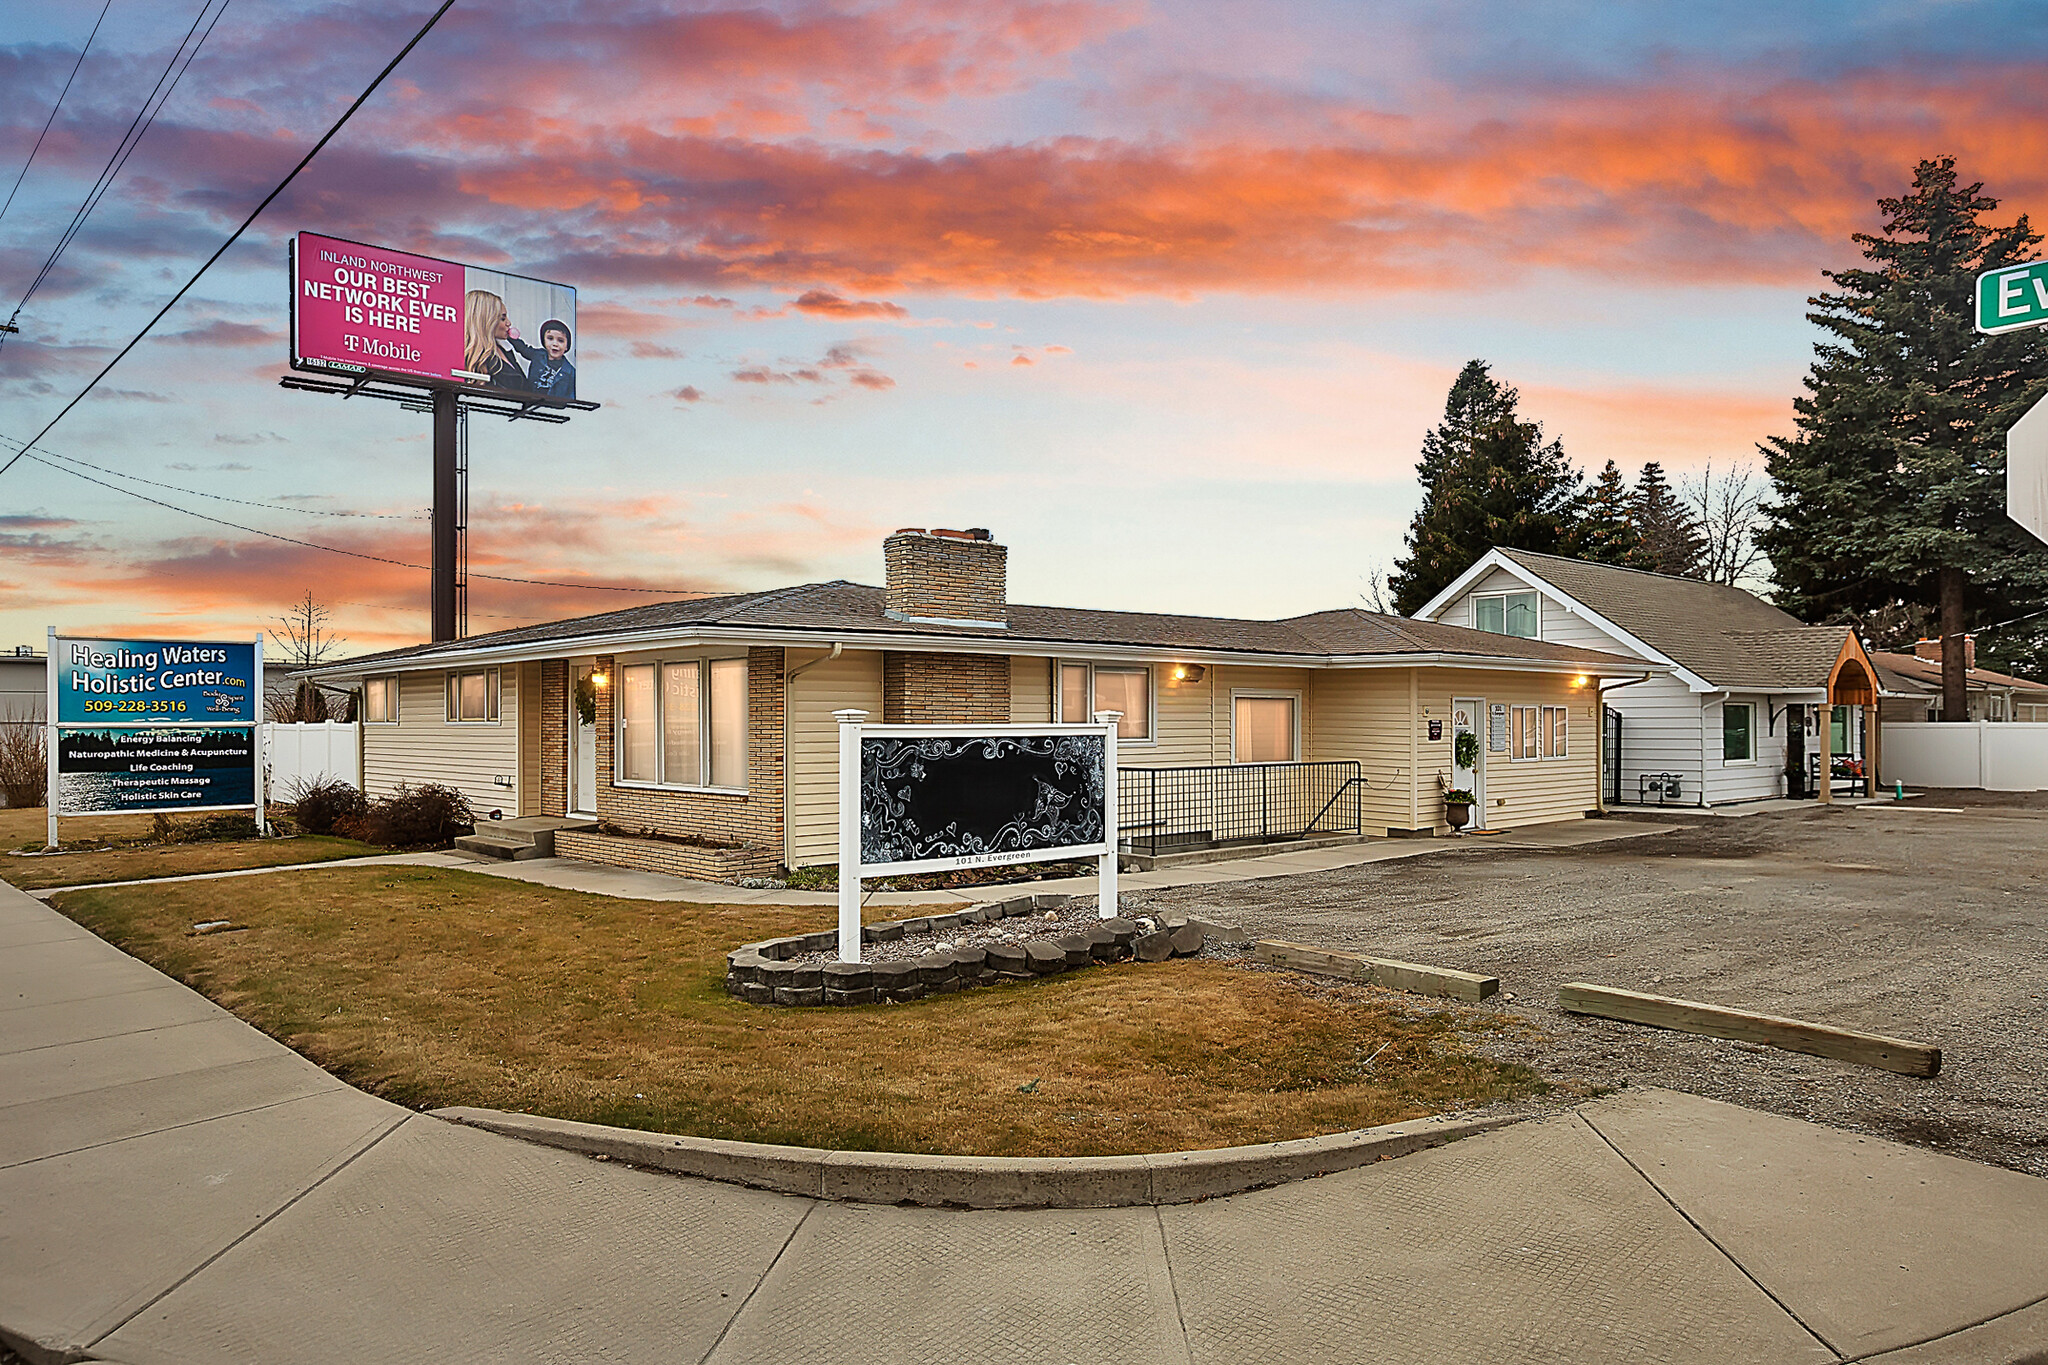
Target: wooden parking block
x=1379 y=971
x=1718 y=1021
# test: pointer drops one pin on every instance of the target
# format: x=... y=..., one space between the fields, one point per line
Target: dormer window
x=1507 y=613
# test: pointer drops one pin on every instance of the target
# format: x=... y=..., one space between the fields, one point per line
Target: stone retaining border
x=757 y=972
x=985 y=1182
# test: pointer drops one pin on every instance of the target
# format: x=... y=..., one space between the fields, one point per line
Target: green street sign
x=2012 y=298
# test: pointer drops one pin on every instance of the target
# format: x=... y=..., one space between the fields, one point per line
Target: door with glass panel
x=583 y=743
x=1466 y=714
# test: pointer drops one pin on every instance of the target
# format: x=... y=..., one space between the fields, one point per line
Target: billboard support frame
x=851 y=869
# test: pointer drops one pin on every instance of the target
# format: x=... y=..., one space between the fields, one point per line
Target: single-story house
x=1739 y=712
x=712 y=720
x=1912 y=684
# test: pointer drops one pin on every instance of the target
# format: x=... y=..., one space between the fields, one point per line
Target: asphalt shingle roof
x=842 y=609
x=1727 y=636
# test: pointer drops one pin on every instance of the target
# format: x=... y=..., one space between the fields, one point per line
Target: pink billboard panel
x=360 y=309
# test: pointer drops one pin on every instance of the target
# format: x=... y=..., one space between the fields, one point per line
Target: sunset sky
x=1164 y=294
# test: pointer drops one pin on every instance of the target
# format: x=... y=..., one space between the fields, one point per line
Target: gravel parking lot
x=1908 y=921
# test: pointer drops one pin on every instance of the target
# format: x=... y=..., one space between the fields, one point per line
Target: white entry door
x=582 y=745
x=1468 y=717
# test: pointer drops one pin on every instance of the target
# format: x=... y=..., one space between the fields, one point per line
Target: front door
x=1467 y=717
x=583 y=744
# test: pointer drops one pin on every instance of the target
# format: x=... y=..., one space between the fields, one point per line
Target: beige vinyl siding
x=853 y=680
x=1030 y=689
x=425 y=747
x=1516 y=792
x=1363 y=714
x=528 y=712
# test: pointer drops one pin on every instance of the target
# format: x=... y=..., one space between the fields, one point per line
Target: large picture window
x=1084 y=689
x=1264 y=729
x=684 y=724
x=1506 y=613
x=380 y=701
x=473 y=696
x=1738 y=737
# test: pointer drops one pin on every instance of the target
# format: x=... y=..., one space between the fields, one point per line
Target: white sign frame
x=852 y=871
x=51 y=731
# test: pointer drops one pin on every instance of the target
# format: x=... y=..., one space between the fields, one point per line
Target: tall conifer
x=1671 y=539
x=1892 y=492
x=1609 y=534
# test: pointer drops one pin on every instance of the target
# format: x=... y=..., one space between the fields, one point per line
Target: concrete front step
x=502 y=846
x=526 y=837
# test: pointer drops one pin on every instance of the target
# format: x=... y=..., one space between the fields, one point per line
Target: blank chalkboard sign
x=930 y=802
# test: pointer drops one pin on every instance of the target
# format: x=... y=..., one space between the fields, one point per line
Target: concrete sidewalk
x=176 y=1187
x=568 y=874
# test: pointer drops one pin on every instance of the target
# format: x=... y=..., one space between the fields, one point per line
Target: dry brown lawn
x=134 y=855
x=434 y=987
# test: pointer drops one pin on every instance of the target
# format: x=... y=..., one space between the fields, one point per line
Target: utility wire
x=54 y=108
x=236 y=235
x=337 y=550
x=152 y=105
x=217 y=497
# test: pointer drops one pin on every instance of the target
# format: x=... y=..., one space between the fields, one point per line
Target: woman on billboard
x=485 y=327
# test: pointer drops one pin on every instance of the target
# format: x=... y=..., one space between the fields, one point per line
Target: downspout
x=1726 y=693
x=1600 y=691
x=790 y=675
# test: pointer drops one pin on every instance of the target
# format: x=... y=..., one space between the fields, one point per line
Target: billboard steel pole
x=446 y=494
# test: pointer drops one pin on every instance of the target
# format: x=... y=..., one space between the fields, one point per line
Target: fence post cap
x=1108 y=717
x=850 y=716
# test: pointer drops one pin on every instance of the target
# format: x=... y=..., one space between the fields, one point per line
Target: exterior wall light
x=1188 y=673
x=600 y=679
x=1581 y=680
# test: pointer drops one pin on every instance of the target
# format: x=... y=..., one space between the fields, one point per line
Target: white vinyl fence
x=296 y=753
x=2000 y=756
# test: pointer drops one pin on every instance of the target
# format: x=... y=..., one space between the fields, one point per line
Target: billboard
x=938 y=802
x=152 y=682
x=372 y=311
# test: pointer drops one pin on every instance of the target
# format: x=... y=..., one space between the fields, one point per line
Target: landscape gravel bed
x=1917 y=924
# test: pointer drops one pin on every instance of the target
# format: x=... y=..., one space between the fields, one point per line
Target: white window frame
x=1543 y=740
x=396 y=692
x=1528 y=717
x=450 y=688
x=1752 y=760
x=1477 y=597
x=703 y=667
x=1151 y=736
x=1270 y=693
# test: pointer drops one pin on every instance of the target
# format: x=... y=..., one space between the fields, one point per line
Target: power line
x=236 y=235
x=217 y=497
x=140 y=125
x=54 y=108
x=337 y=550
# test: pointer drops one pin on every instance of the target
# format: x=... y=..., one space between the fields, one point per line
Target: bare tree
x=1729 y=509
x=304 y=642
x=1375 y=596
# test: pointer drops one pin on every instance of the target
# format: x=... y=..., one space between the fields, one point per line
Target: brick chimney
x=1930 y=650
x=946 y=576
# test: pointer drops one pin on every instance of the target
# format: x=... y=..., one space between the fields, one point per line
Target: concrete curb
x=985 y=1182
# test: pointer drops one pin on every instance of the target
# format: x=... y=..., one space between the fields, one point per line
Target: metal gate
x=1610 y=753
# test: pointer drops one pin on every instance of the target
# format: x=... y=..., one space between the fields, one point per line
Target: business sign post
x=933 y=798
x=436 y=336
x=141 y=727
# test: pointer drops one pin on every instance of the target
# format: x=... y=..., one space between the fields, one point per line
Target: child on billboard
x=548 y=369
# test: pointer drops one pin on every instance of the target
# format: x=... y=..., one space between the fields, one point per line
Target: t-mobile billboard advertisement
x=370 y=310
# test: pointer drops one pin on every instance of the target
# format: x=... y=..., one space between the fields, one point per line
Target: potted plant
x=1457 y=807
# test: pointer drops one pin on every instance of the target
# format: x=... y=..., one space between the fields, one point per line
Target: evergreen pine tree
x=1488 y=479
x=1609 y=534
x=1671 y=539
x=1892 y=492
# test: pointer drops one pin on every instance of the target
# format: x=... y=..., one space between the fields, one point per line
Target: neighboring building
x=1916 y=680
x=1750 y=689
x=24 y=684
x=712 y=719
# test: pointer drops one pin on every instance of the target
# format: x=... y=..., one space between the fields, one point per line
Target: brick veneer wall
x=554 y=737
x=944 y=578
x=754 y=818
x=932 y=689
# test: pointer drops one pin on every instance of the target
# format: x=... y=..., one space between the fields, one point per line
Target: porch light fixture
x=1581 y=680
x=600 y=680
x=1188 y=673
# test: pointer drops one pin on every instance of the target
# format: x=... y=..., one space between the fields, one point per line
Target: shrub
x=24 y=762
x=414 y=817
x=227 y=824
x=323 y=805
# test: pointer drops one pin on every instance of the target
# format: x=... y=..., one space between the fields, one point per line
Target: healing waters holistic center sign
x=153 y=726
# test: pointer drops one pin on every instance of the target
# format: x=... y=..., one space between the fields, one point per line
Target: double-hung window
x=1506 y=613
x=473 y=696
x=1539 y=732
x=1083 y=689
x=684 y=724
x=1738 y=736
x=380 y=701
